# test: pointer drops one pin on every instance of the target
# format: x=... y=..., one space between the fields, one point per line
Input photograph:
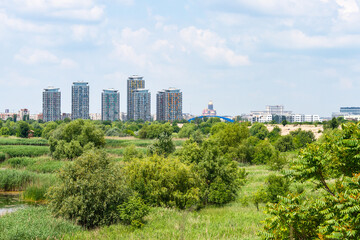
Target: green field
x=32 y=170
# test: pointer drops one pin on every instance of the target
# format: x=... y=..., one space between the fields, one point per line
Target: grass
x=24 y=151
x=18 y=180
x=115 y=143
x=38 y=164
x=34 y=223
x=120 y=151
x=24 y=141
x=233 y=221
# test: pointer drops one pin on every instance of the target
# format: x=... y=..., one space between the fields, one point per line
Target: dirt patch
x=285 y=130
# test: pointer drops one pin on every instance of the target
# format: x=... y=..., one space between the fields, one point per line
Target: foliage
x=332 y=164
x=277 y=161
x=49 y=128
x=34 y=223
x=284 y=143
x=133 y=211
x=154 y=130
x=2 y=156
x=4 y=131
x=284 y=122
x=89 y=191
x=23 y=129
x=293 y=217
x=164 y=181
x=259 y=130
x=276 y=186
x=186 y=130
x=163 y=145
x=69 y=141
x=131 y=152
x=274 y=134
x=263 y=152
x=302 y=138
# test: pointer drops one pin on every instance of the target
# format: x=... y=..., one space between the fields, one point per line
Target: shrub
x=276 y=186
x=263 y=152
x=89 y=191
x=163 y=145
x=2 y=156
x=133 y=211
x=285 y=143
x=164 y=182
x=259 y=130
x=131 y=152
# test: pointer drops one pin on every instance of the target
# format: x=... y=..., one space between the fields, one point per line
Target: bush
x=259 y=130
x=276 y=186
x=263 y=152
x=165 y=182
x=2 y=157
x=69 y=141
x=131 y=152
x=133 y=211
x=285 y=143
x=163 y=145
x=89 y=191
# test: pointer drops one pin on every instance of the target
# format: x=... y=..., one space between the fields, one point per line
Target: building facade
x=169 y=105
x=142 y=104
x=133 y=83
x=110 y=105
x=80 y=100
x=51 y=104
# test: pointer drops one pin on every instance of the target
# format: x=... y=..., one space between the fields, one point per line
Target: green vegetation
x=24 y=141
x=12 y=180
x=89 y=191
x=24 y=151
x=34 y=223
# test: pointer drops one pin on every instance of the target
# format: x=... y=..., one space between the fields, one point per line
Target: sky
x=241 y=54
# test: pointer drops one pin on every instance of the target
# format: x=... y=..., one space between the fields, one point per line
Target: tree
x=285 y=143
x=302 y=138
x=284 y=122
x=23 y=129
x=4 y=131
x=163 y=145
x=89 y=191
x=259 y=130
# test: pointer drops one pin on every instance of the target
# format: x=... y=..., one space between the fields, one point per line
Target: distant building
x=65 y=116
x=95 y=116
x=24 y=114
x=7 y=111
x=350 y=110
x=80 y=100
x=209 y=111
x=169 y=105
x=51 y=104
x=142 y=104
x=110 y=105
x=133 y=83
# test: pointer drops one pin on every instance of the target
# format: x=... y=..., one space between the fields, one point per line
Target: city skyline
x=300 y=54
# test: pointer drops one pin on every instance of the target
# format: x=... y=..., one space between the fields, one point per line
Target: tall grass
x=34 y=223
x=38 y=164
x=24 y=151
x=13 y=180
x=120 y=151
x=37 y=189
x=24 y=141
x=113 y=143
x=2 y=156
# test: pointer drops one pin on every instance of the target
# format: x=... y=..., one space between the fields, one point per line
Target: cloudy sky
x=241 y=54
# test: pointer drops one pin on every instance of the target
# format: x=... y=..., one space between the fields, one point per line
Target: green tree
x=259 y=130
x=89 y=191
x=285 y=143
x=4 y=131
x=284 y=122
x=131 y=152
x=23 y=129
x=302 y=138
x=163 y=145
x=276 y=186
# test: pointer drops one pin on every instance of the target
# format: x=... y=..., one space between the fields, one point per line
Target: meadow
x=33 y=172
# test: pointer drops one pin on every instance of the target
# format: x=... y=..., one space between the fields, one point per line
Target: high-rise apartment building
x=142 y=104
x=133 y=83
x=110 y=105
x=51 y=104
x=169 y=105
x=80 y=100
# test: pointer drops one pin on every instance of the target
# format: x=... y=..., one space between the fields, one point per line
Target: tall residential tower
x=80 y=100
x=142 y=104
x=51 y=104
x=110 y=105
x=169 y=105
x=134 y=82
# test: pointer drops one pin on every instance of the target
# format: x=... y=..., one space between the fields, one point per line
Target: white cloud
x=127 y=53
x=21 y=25
x=136 y=36
x=37 y=56
x=46 y=5
x=212 y=46
x=15 y=80
x=299 y=40
x=92 y=14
